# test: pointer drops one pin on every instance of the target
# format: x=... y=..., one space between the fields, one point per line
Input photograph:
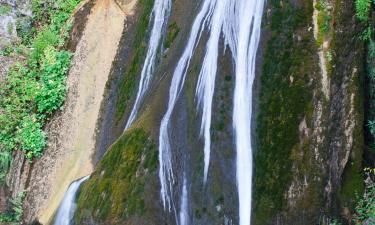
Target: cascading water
x=239 y=21
x=67 y=207
x=184 y=216
x=160 y=13
x=250 y=16
x=165 y=156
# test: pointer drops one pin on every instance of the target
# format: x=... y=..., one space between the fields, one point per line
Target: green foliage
x=365 y=209
x=5 y=9
x=324 y=16
x=16 y=211
x=5 y=160
x=35 y=88
x=54 y=67
x=31 y=137
x=367 y=34
x=44 y=39
x=362 y=8
x=371 y=125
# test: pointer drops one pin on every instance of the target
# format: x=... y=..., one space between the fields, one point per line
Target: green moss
x=115 y=191
x=352 y=184
x=285 y=98
x=128 y=83
x=172 y=33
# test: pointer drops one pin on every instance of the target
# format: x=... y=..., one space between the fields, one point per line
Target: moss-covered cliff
x=116 y=191
x=310 y=124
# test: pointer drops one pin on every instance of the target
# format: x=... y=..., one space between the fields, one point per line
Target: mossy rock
x=115 y=193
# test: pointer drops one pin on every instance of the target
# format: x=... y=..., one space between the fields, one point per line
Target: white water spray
x=160 y=13
x=67 y=207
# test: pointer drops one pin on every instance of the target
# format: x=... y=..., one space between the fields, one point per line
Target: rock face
x=213 y=203
x=308 y=128
x=14 y=15
x=310 y=124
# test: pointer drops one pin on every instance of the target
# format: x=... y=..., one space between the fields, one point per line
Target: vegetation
x=35 y=88
x=16 y=211
x=115 y=191
x=363 y=9
x=284 y=101
x=365 y=209
x=172 y=33
x=5 y=9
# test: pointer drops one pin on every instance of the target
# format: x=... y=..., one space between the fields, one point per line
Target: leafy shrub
x=54 y=67
x=362 y=9
x=43 y=40
x=5 y=159
x=31 y=137
x=35 y=87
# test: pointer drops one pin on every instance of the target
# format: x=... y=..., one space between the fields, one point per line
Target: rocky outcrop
x=15 y=16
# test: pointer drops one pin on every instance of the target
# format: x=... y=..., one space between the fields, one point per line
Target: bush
x=362 y=8
x=43 y=40
x=31 y=137
x=54 y=67
x=34 y=88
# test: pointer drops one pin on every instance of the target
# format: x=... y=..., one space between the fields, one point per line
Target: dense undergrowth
x=35 y=86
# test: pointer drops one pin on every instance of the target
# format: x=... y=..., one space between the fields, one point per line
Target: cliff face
x=214 y=203
x=310 y=124
x=308 y=128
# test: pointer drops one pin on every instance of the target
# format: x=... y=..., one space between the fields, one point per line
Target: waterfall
x=250 y=16
x=184 y=215
x=160 y=13
x=166 y=175
x=206 y=80
x=67 y=207
x=239 y=21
